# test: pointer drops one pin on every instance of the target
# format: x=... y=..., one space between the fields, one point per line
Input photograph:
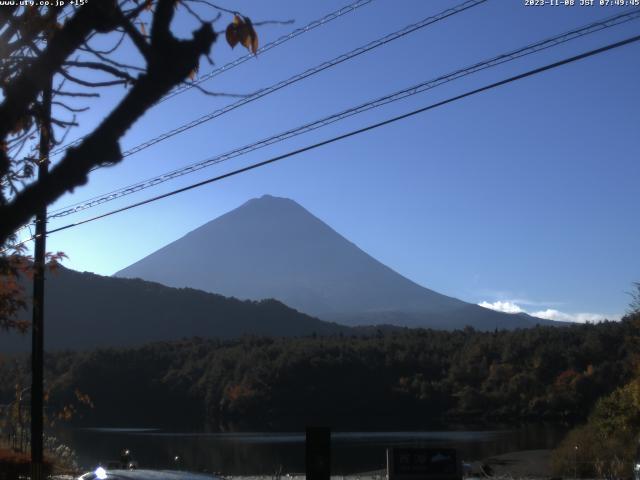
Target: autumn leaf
x=21 y=124
x=241 y=31
x=248 y=36
x=193 y=73
x=83 y=398
x=232 y=31
x=21 y=325
x=53 y=260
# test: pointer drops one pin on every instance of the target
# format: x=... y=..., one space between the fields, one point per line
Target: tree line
x=388 y=379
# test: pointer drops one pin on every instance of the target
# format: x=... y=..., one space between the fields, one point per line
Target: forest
x=408 y=378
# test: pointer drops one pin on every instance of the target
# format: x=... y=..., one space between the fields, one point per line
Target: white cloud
x=517 y=298
x=507 y=307
x=511 y=306
x=551 y=314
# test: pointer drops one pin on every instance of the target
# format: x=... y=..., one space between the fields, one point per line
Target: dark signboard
x=318 y=453
x=429 y=463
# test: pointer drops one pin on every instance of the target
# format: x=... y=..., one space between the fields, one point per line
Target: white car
x=119 y=474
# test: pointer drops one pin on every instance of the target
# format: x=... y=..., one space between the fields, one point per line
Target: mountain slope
x=84 y=310
x=273 y=248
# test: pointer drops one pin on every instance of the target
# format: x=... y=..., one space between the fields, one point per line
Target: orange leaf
x=232 y=34
x=248 y=35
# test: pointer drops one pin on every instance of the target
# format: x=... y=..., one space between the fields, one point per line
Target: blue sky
x=524 y=195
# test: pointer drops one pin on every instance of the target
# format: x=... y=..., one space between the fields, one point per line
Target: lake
x=265 y=453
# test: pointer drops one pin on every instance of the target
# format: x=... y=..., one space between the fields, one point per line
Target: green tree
x=634 y=304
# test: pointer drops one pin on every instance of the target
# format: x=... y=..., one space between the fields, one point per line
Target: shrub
x=14 y=465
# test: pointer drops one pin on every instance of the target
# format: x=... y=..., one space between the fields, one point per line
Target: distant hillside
x=85 y=310
x=273 y=248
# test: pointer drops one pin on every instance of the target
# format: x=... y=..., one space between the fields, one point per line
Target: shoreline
x=516 y=464
x=519 y=464
x=530 y=464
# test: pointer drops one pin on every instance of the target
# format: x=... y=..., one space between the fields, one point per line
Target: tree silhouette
x=38 y=44
x=634 y=304
x=77 y=52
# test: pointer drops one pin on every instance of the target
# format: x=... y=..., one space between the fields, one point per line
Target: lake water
x=265 y=453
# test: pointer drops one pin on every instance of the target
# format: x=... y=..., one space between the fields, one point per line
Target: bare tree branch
x=209 y=93
x=136 y=37
x=68 y=108
x=76 y=94
x=105 y=68
x=170 y=61
x=105 y=52
x=87 y=83
x=23 y=90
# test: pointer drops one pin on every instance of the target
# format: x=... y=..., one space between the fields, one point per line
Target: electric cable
x=242 y=59
x=352 y=133
x=298 y=77
x=396 y=96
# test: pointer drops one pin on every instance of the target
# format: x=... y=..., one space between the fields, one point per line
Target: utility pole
x=37 y=329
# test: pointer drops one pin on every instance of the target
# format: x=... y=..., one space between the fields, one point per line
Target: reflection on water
x=266 y=453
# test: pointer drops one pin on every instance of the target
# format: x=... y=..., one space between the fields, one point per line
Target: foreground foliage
x=410 y=378
x=18 y=465
x=605 y=447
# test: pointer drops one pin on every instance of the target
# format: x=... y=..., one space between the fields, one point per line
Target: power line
x=307 y=73
x=312 y=71
x=234 y=63
x=240 y=60
x=407 y=92
x=352 y=133
x=276 y=43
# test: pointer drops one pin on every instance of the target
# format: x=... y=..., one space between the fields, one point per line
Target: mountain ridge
x=85 y=310
x=271 y=247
